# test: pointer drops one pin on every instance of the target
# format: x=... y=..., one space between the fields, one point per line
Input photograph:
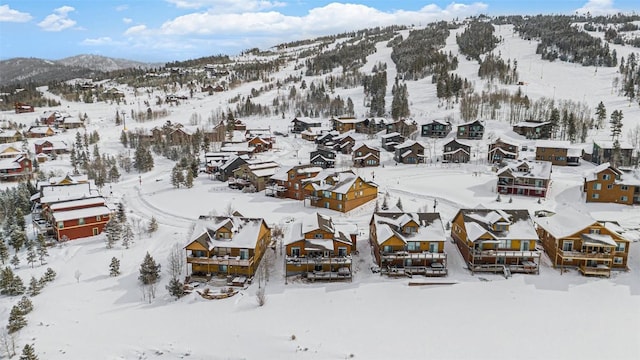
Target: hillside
x=85 y=313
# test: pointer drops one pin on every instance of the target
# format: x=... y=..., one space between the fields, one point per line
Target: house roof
x=480 y=221
x=76 y=203
x=408 y=143
x=11 y=163
x=390 y=135
x=245 y=231
x=565 y=222
x=388 y=224
x=306 y=120
x=460 y=142
x=315 y=222
x=531 y=169
x=531 y=124
x=80 y=213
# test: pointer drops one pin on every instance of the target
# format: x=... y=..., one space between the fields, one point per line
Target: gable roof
x=481 y=221
x=245 y=231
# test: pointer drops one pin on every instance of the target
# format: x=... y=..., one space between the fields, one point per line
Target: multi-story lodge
x=365 y=155
x=16 y=168
x=317 y=250
x=409 y=152
x=528 y=178
x=78 y=219
x=496 y=240
x=227 y=246
x=573 y=239
x=408 y=243
x=472 y=130
x=534 y=130
x=323 y=157
x=288 y=182
x=347 y=123
x=560 y=153
x=340 y=191
x=300 y=124
x=603 y=151
x=609 y=184
x=501 y=150
x=256 y=173
x=390 y=140
x=456 y=151
x=436 y=129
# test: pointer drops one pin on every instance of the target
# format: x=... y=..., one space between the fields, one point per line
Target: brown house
x=9 y=136
x=256 y=173
x=365 y=156
x=46 y=146
x=390 y=140
x=259 y=144
x=347 y=123
x=528 y=178
x=472 y=130
x=15 y=169
x=300 y=124
x=456 y=151
x=227 y=246
x=288 y=182
x=409 y=152
x=609 y=184
x=317 y=250
x=344 y=142
x=603 y=151
x=23 y=108
x=436 y=129
x=340 y=191
x=496 y=240
x=573 y=239
x=560 y=153
x=408 y=243
x=180 y=136
x=40 y=132
x=501 y=150
x=534 y=130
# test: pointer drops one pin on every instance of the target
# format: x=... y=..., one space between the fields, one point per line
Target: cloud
x=10 y=15
x=127 y=20
x=122 y=7
x=228 y=6
x=136 y=30
x=59 y=20
x=598 y=7
x=98 y=41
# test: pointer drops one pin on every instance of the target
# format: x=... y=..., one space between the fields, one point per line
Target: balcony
x=506 y=253
x=413 y=256
x=320 y=260
x=219 y=260
x=598 y=270
x=580 y=255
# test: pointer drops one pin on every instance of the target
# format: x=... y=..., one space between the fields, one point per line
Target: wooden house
x=609 y=184
x=528 y=178
x=576 y=240
x=317 y=250
x=365 y=155
x=227 y=246
x=409 y=152
x=456 y=151
x=180 y=136
x=47 y=146
x=23 y=108
x=340 y=191
x=259 y=144
x=326 y=138
x=288 y=182
x=344 y=142
x=408 y=243
x=472 y=130
x=15 y=169
x=390 y=140
x=496 y=240
x=10 y=151
x=217 y=133
x=80 y=221
x=560 y=153
x=501 y=150
x=534 y=130
x=343 y=124
x=9 y=136
x=256 y=173
x=113 y=94
x=323 y=157
x=374 y=125
x=233 y=162
x=313 y=133
x=40 y=132
x=603 y=152
x=436 y=129
x=300 y=124
x=70 y=122
x=49 y=118
x=404 y=127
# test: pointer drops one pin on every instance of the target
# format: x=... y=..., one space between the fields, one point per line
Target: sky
x=169 y=30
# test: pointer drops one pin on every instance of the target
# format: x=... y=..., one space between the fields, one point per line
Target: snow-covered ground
x=550 y=316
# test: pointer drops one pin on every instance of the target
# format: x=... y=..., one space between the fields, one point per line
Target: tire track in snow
x=162 y=216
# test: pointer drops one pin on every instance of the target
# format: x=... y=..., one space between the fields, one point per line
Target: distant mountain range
x=17 y=70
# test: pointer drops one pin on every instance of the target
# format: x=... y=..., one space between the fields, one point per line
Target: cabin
x=317 y=250
x=534 y=130
x=603 y=152
x=365 y=155
x=409 y=152
x=343 y=124
x=403 y=126
x=501 y=150
x=9 y=136
x=70 y=122
x=501 y=241
x=15 y=169
x=10 y=151
x=344 y=142
x=576 y=240
x=374 y=125
x=472 y=130
x=325 y=138
x=256 y=173
x=233 y=162
x=21 y=108
x=323 y=157
x=259 y=144
x=609 y=184
x=390 y=140
x=288 y=182
x=180 y=136
x=300 y=124
x=408 y=243
x=113 y=94
x=436 y=129
x=527 y=178
x=560 y=153
x=456 y=151
x=36 y=132
x=80 y=223
x=339 y=191
x=47 y=146
x=313 y=133
x=227 y=247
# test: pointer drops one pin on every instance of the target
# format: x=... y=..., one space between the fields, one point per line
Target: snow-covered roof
x=10 y=163
x=531 y=169
x=565 y=222
x=306 y=120
x=481 y=221
x=531 y=124
x=76 y=203
x=245 y=232
x=390 y=135
x=80 y=213
x=407 y=143
x=608 y=144
x=388 y=224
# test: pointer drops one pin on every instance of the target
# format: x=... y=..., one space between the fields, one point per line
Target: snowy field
x=482 y=316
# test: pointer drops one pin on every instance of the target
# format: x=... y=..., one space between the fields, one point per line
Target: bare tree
x=175 y=261
x=8 y=343
x=77 y=275
x=261 y=297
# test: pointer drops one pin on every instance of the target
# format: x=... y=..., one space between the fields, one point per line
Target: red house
x=81 y=222
x=16 y=168
x=23 y=108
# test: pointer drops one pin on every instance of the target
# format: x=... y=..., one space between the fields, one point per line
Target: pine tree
x=15 y=261
x=114 y=267
x=385 y=202
x=31 y=254
x=17 y=238
x=49 y=275
x=177 y=178
x=188 y=181
x=28 y=353
x=149 y=270
x=127 y=235
x=42 y=249
x=113 y=231
x=601 y=115
x=153 y=225
x=25 y=305
x=175 y=288
x=399 y=204
x=6 y=278
x=4 y=252
x=34 y=286
x=114 y=174
x=16 y=320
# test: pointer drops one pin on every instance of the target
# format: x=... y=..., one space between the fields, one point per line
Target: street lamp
x=124 y=120
x=435 y=203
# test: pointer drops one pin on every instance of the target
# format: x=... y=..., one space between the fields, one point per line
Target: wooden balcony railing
x=221 y=260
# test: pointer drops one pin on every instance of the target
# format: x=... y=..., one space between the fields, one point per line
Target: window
x=620 y=247
x=222 y=268
x=597 y=186
x=327 y=194
x=95 y=231
x=296 y=186
x=595 y=196
x=618 y=260
x=342 y=251
x=609 y=186
x=295 y=251
x=338 y=196
x=567 y=246
x=317 y=236
x=624 y=187
x=339 y=206
x=624 y=198
x=387 y=249
x=606 y=176
x=81 y=221
x=244 y=254
x=505 y=244
x=98 y=218
x=433 y=247
x=413 y=246
x=60 y=225
x=594 y=231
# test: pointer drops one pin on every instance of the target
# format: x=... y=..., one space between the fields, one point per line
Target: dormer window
x=501 y=227
x=410 y=229
x=594 y=231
